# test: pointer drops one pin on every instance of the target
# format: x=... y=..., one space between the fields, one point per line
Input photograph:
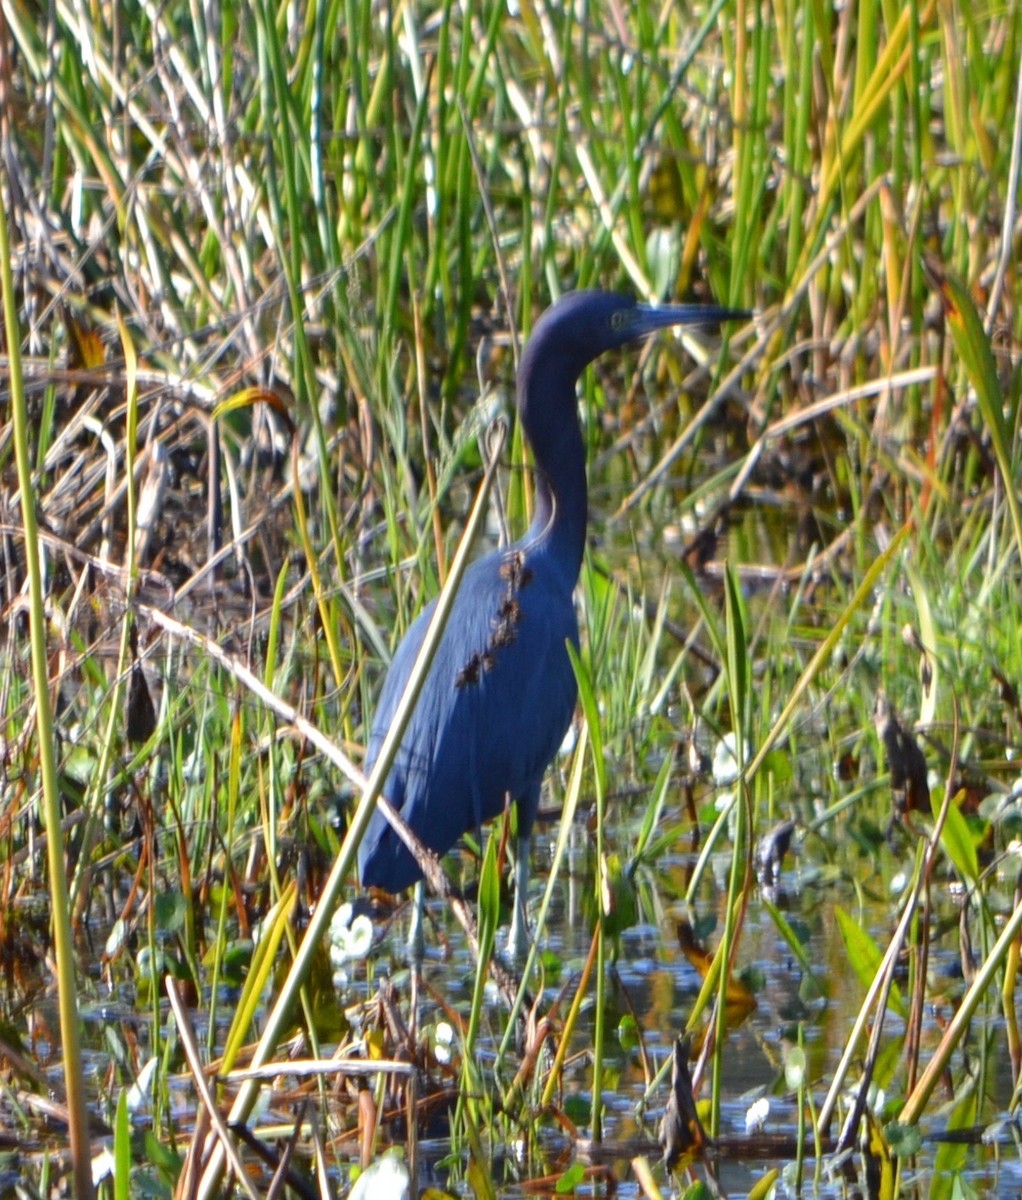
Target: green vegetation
x=271 y=269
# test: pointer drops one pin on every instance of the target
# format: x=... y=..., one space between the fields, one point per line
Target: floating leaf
x=385 y=1179
x=139 y=1096
x=904 y=1140
x=620 y=908
x=738 y=998
x=628 y=1032
x=795 y=1068
x=756 y=1115
x=571 y=1179
x=169 y=912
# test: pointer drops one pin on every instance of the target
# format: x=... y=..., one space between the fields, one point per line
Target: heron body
x=501 y=691
x=494 y=709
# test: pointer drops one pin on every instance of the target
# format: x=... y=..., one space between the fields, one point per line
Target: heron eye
x=617 y=320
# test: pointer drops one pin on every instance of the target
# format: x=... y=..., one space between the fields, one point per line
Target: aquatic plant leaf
x=956 y=838
x=274 y=926
x=795 y=1068
x=164 y=1158
x=138 y=1097
x=571 y=1179
x=739 y=1001
x=489 y=898
x=122 y=1149
x=951 y=1162
x=756 y=1115
x=878 y=1161
x=905 y=760
x=628 y=1032
x=86 y=350
x=655 y=806
x=170 y=910
x=139 y=711
x=973 y=346
x=737 y=654
x=681 y=1134
x=385 y=1179
x=479 y=1172
x=770 y=851
x=929 y=663
x=479 y=1181
x=618 y=902
x=697 y=1191
x=865 y=956
x=247 y=397
x=764 y=1186
x=904 y=1140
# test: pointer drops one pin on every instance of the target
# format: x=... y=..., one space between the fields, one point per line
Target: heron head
x=580 y=326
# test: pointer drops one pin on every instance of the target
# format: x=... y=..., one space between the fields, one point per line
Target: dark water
x=651 y=979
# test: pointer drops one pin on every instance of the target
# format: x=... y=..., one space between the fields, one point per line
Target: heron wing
x=491 y=715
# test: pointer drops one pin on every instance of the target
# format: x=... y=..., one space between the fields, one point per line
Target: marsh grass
x=272 y=268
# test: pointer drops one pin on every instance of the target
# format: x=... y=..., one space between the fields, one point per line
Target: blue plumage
x=496 y=706
x=500 y=693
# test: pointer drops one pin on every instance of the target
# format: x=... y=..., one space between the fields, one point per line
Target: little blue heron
x=501 y=691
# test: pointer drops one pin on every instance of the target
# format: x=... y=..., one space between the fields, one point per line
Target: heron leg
x=416 y=940
x=518 y=938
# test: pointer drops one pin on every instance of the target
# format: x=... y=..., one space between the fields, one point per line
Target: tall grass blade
x=319 y=924
x=973 y=345
x=60 y=909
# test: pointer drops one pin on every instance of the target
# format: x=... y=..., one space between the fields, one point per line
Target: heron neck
x=561 y=500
